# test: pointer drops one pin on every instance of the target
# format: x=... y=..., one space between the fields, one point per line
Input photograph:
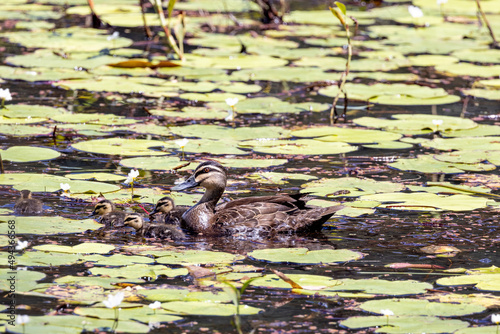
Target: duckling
x=27 y=205
x=251 y=216
x=110 y=216
x=159 y=231
x=172 y=214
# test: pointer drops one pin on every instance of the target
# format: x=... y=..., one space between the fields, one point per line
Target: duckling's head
x=103 y=207
x=164 y=205
x=25 y=194
x=209 y=175
x=134 y=220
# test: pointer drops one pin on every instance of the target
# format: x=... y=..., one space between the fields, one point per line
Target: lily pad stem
x=495 y=44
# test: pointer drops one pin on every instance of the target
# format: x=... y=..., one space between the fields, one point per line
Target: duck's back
x=270 y=215
x=28 y=206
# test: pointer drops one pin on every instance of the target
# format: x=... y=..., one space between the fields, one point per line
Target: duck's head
x=164 y=205
x=208 y=174
x=134 y=220
x=103 y=207
x=25 y=194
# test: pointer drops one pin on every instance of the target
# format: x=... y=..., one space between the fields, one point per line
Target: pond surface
x=414 y=162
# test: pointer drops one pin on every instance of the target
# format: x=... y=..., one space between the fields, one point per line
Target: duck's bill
x=189 y=183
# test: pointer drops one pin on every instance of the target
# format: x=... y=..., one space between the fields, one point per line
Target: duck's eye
x=206 y=170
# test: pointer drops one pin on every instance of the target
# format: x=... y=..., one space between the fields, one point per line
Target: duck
x=158 y=231
x=27 y=205
x=172 y=214
x=257 y=216
x=110 y=216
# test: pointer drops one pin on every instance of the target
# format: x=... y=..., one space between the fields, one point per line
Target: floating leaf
x=85 y=248
x=47 y=225
x=305 y=256
x=28 y=154
x=414 y=307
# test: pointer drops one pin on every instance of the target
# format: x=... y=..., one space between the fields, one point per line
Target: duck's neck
x=211 y=197
x=199 y=217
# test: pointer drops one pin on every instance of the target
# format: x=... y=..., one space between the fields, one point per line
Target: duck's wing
x=291 y=201
x=270 y=218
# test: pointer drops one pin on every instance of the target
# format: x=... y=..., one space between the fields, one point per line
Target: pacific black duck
x=27 y=205
x=158 y=231
x=251 y=216
x=110 y=216
x=170 y=213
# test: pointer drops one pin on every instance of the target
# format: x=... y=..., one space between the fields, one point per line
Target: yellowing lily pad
x=86 y=248
x=121 y=146
x=192 y=257
x=305 y=256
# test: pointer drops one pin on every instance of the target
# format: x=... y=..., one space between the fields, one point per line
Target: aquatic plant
x=340 y=13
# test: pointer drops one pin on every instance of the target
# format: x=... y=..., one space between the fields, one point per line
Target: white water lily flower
x=495 y=318
x=415 y=12
x=387 y=312
x=232 y=101
x=437 y=122
x=132 y=175
x=65 y=187
x=441 y=2
x=115 y=35
x=182 y=142
x=5 y=94
x=22 y=319
x=155 y=306
x=21 y=245
x=114 y=300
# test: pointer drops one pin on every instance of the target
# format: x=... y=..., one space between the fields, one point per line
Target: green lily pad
x=218 y=132
x=26 y=110
x=488 y=282
x=34 y=74
x=208 y=309
x=333 y=134
x=72 y=324
x=143 y=314
x=250 y=163
x=405 y=324
x=143 y=85
x=124 y=147
x=393 y=94
x=279 y=178
x=24 y=130
x=415 y=124
x=25 y=280
x=461 y=69
x=29 y=154
x=102 y=119
x=192 y=257
x=98 y=176
x=86 y=248
x=138 y=271
x=427 y=202
x=68 y=39
x=167 y=295
x=44 y=259
x=304 y=256
x=414 y=307
x=47 y=225
x=152 y=163
x=350 y=187
x=431 y=164
x=297 y=147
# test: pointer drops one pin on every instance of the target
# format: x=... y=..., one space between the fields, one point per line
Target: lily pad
x=305 y=256
x=125 y=147
x=192 y=257
x=28 y=154
x=138 y=271
x=47 y=225
x=85 y=248
x=414 y=307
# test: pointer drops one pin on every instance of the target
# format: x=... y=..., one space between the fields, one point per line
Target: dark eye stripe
x=98 y=207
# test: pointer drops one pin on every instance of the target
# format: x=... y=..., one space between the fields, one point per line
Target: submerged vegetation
x=118 y=114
